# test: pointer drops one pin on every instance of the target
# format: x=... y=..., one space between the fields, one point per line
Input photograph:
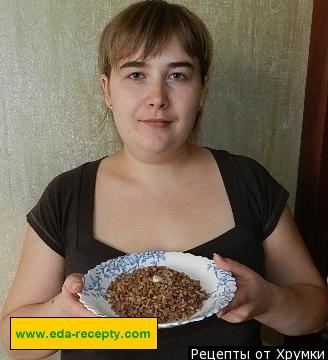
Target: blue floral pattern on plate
x=218 y=283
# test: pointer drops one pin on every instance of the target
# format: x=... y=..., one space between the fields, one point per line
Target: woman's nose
x=158 y=97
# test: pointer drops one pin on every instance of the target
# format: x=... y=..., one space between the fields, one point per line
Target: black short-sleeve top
x=63 y=218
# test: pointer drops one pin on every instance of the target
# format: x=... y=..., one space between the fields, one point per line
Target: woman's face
x=155 y=100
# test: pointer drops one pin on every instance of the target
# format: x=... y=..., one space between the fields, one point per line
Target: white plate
x=217 y=282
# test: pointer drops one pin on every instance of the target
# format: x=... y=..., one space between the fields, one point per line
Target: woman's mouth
x=157 y=123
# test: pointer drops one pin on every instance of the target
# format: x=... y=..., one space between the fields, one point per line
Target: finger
x=230 y=265
x=221 y=313
x=231 y=318
x=230 y=307
x=81 y=310
x=221 y=262
x=73 y=283
x=237 y=315
x=75 y=276
x=69 y=305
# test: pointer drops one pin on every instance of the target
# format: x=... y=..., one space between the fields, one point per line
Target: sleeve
x=265 y=197
x=45 y=217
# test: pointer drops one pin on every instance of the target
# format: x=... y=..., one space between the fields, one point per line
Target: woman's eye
x=178 y=76
x=136 y=76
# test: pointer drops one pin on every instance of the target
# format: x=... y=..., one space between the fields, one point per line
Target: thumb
x=221 y=262
x=234 y=267
x=73 y=283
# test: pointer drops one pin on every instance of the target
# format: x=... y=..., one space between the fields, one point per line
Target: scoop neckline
x=228 y=232
x=91 y=244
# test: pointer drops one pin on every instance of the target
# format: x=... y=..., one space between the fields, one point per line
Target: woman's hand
x=66 y=303
x=253 y=296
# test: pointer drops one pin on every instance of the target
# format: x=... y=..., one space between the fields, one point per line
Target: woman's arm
x=39 y=290
x=294 y=299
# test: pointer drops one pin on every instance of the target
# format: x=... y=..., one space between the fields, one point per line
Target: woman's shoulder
x=67 y=181
x=251 y=173
x=240 y=160
x=263 y=196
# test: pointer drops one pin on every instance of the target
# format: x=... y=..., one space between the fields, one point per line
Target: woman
x=161 y=192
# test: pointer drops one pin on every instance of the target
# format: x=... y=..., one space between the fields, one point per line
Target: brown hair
x=149 y=25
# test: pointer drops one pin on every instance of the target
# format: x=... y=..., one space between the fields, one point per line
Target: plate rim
x=232 y=283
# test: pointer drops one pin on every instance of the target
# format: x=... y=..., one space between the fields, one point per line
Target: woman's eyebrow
x=140 y=64
x=181 y=64
x=133 y=63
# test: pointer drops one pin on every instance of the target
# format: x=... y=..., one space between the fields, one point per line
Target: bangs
x=148 y=26
x=152 y=31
